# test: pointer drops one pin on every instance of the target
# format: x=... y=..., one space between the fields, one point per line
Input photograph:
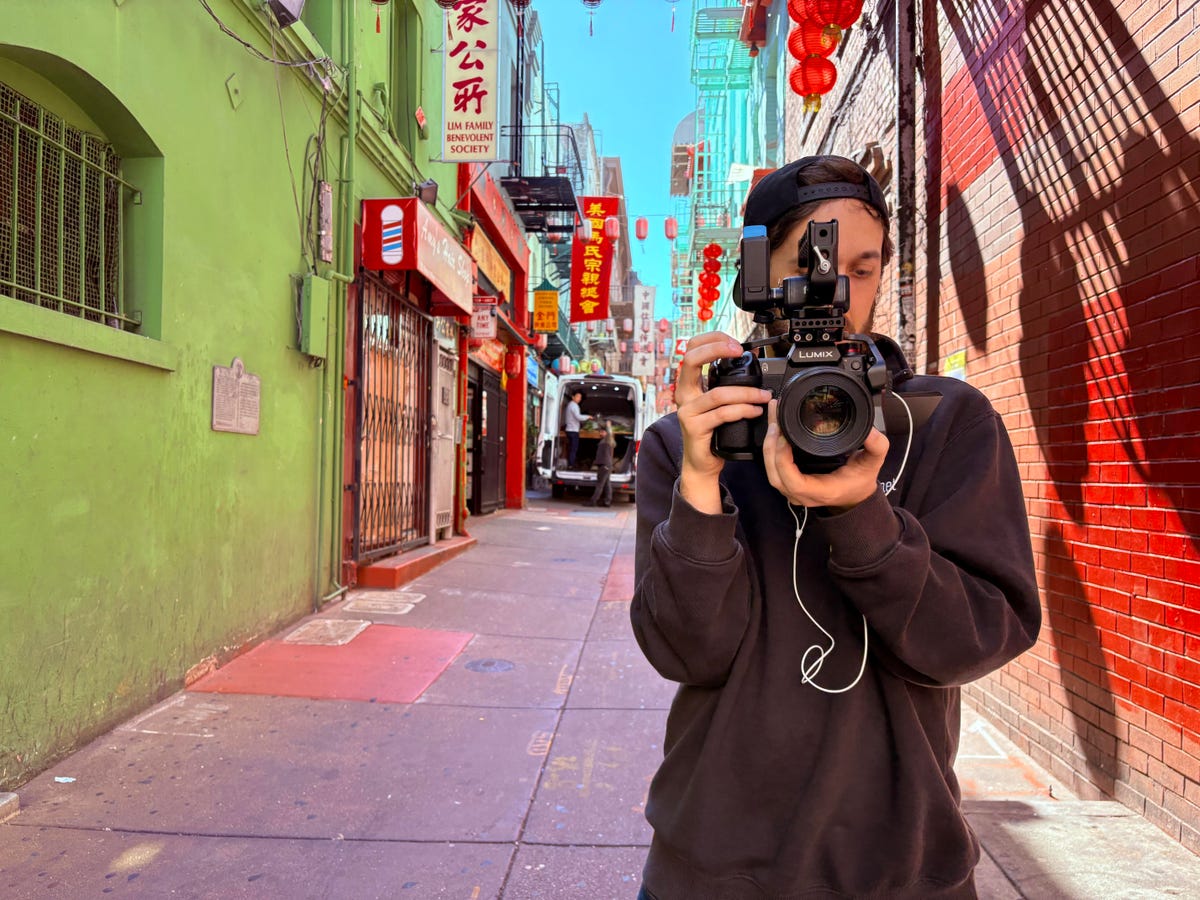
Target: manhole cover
x=490 y=665
x=328 y=632
x=391 y=604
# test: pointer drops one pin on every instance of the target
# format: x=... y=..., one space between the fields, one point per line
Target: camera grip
x=735 y=440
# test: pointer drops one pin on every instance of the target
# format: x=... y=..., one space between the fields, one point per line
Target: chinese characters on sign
x=591 y=262
x=469 y=67
x=644 y=356
x=545 y=311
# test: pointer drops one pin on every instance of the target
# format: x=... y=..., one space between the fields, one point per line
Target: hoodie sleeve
x=949 y=591
x=691 y=601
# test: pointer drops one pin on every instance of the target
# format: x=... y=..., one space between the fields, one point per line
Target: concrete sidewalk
x=486 y=731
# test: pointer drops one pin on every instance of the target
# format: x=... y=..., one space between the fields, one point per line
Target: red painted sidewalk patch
x=619 y=583
x=384 y=663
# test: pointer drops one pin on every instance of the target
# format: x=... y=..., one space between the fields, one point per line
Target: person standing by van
x=574 y=419
x=602 y=496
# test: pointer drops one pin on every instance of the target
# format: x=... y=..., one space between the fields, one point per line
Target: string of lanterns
x=819 y=27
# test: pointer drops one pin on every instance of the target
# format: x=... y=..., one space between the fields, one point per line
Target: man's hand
x=840 y=489
x=701 y=412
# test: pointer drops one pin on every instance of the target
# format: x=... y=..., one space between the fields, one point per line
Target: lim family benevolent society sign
x=470 y=65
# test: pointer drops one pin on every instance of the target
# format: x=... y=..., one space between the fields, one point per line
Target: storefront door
x=394 y=437
x=489 y=417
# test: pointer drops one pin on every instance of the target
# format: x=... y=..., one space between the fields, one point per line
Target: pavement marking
x=564 y=681
x=539 y=744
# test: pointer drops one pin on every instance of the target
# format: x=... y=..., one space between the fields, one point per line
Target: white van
x=617 y=399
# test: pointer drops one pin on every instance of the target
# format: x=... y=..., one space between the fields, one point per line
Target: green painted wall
x=135 y=541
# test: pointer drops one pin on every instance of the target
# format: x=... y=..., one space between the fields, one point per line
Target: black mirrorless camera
x=828 y=384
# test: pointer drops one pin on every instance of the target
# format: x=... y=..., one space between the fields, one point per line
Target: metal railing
x=62 y=208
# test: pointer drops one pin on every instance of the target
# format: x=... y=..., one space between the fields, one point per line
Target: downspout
x=906 y=51
x=349 y=142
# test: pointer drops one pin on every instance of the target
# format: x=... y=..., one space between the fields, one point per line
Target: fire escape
x=709 y=210
x=545 y=177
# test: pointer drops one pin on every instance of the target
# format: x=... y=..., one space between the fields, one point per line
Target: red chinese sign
x=591 y=262
x=470 y=66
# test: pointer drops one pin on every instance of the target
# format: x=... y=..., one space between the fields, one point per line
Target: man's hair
x=826 y=170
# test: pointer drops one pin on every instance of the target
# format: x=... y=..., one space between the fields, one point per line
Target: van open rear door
x=548 y=430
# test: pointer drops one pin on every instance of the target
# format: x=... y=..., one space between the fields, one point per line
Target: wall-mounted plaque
x=235 y=399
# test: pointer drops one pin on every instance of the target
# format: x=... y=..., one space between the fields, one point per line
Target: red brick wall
x=1061 y=231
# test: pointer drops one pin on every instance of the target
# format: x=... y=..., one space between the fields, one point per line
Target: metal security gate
x=489 y=412
x=392 y=466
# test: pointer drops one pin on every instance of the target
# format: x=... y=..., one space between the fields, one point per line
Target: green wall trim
x=27 y=320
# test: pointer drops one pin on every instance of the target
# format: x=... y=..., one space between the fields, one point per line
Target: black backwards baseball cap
x=779 y=192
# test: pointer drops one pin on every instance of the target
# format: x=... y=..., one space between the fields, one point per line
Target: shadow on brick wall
x=1107 y=179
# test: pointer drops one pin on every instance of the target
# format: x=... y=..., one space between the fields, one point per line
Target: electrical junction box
x=314 y=316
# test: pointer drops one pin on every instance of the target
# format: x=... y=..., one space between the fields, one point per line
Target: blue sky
x=631 y=77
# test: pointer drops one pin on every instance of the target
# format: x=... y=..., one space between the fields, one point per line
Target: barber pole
x=391 y=233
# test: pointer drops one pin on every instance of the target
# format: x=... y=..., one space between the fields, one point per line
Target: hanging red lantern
x=811 y=38
x=627 y=325
x=664 y=325
x=612 y=228
x=512 y=363
x=811 y=78
x=623 y=346
x=708 y=292
x=641 y=228
x=540 y=342
x=712 y=265
x=671 y=228
x=833 y=15
x=704 y=314
x=705 y=302
x=591 y=6
x=714 y=251
x=378 y=5
x=709 y=279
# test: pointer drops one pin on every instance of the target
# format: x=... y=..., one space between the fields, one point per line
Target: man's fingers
x=702 y=350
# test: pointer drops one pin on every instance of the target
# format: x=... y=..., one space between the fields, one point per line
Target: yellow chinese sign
x=545 y=311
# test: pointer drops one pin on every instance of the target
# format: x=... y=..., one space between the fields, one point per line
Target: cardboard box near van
x=618 y=400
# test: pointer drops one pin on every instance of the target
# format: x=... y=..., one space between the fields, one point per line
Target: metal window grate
x=62 y=203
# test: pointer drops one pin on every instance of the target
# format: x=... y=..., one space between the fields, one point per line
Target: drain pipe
x=906 y=51
x=337 y=356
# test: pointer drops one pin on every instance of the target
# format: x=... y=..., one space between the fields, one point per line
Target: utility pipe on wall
x=906 y=51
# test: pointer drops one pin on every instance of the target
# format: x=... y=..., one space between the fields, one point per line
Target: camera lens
x=826 y=411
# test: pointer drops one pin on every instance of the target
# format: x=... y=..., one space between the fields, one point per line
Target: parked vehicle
x=617 y=400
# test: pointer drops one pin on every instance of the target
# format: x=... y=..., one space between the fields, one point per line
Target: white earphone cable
x=811 y=668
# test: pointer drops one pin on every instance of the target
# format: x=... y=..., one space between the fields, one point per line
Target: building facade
x=224 y=401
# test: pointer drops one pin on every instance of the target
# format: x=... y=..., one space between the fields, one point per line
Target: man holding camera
x=819 y=624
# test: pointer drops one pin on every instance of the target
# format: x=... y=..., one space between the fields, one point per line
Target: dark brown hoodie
x=770 y=788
